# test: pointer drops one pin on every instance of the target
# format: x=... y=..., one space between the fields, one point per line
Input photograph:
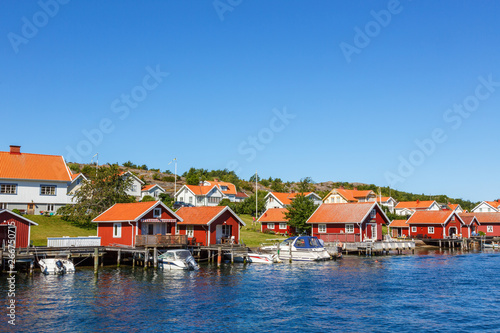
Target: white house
x=487 y=207
x=282 y=200
x=34 y=183
x=341 y=195
x=153 y=190
x=227 y=189
x=136 y=185
x=409 y=207
x=388 y=202
x=199 y=195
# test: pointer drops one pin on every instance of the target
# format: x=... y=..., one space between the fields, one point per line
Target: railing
x=160 y=240
x=342 y=237
x=73 y=241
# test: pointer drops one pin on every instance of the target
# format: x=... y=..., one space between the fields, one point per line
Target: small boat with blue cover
x=299 y=248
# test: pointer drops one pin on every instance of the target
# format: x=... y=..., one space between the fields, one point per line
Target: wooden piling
x=118 y=258
x=32 y=264
x=146 y=258
x=155 y=258
x=232 y=254
x=133 y=260
x=290 y=251
x=219 y=256
x=96 y=260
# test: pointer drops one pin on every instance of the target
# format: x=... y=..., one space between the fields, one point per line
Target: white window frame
x=283 y=225
x=51 y=207
x=3 y=205
x=373 y=213
x=157 y=212
x=270 y=225
x=117 y=230
x=3 y=189
x=413 y=229
x=349 y=228
x=322 y=228
x=489 y=228
x=176 y=228
x=49 y=190
x=191 y=200
x=430 y=230
x=190 y=231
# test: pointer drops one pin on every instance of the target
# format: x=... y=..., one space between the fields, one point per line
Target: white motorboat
x=300 y=248
x=491 y=245
x=178 y=259
x=262 y=258
x=56 y=266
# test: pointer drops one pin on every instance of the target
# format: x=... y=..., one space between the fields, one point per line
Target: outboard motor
x=60 y=267
x=192 y=265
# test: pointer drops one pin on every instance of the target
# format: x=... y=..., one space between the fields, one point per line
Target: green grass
x=251 y=235
x=54 y=226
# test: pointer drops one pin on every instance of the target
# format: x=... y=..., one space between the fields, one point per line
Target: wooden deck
x=161 y=240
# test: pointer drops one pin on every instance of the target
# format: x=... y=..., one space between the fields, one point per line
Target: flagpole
x=256 y=194
x=175 y=175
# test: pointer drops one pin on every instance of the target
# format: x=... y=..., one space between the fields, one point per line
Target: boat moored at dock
x=300 y=248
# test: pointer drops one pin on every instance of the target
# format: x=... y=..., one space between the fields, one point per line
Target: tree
x=305 y=185
x=167 y=200
x=252 y=179
x=98 y=193
x=299 y=212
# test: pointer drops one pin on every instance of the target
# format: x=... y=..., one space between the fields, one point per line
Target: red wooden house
x=435 y=224
x=274 y=219
x=210 y=225
x=348 y=222
x=399 y=228
x=22 y=227
x=130 y=223
x=489 y=223
x=471 y=224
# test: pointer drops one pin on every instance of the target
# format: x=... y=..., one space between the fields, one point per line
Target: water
x=428 y=292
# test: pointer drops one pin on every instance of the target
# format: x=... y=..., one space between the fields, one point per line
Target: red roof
x=274 y=215
x=484 y=217
x=231 y=189
x=384 y=199
x=126 y=211
x=431 y=217
x=453 y=206
x=494 y=204
x=286 y=198
x=342 y=212
x=200 y=190
x=203 y=215
x=241 y=195
x=414 y=204
x=353 y=195
x=399 y=224
x=148 y=187
x=33 y=166
x=467 y=217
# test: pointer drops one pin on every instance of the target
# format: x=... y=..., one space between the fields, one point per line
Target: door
x=31 y=209
x=453 y=232
x=218 y=233
x=373 y=231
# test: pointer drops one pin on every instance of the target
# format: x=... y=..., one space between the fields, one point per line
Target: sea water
x=431 y=291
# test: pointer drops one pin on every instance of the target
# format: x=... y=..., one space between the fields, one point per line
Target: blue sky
x=333 y=90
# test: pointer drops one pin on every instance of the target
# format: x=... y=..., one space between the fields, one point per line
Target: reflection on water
x=433 y=290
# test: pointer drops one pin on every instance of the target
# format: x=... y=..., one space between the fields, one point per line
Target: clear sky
x=392 y=93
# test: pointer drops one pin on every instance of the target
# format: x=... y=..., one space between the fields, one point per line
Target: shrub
x=16 y=211
x=169 y=179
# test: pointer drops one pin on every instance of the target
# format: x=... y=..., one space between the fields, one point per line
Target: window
x=322 y=228
x=413 y=229
x=270 y=225
x=191 y=200
x=8 y=189
x=373 y=214
x=489 y=228
x=223 y=188
x=134 y=188
x=189 y=231
x=181 y=199
x=226 y=230
x=283 y=225
x=157 y=212
x=200 y=199
x=213 y=200
x=430 y=230
x=47 y=190
x=117 y=230
x=50 y=207
x=176 y=229
x=349 y=228
x=3 y=205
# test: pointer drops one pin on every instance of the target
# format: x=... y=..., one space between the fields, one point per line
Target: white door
x=218 y=233
x=374 y=231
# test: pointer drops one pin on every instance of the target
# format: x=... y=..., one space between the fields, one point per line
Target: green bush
x=16 y=211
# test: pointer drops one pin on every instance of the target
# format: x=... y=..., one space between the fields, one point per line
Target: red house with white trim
x=22 y=229
x=123 y=223
x=348 y=222
x=399 y=228
x=435 y=224
x=274 y=219
x=209 y=225
x=489 y=223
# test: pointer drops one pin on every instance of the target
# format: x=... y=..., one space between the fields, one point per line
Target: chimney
x=355 y=189
x=201 y=183
x=15 y=149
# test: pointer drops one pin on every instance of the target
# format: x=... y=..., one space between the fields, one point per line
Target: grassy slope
x=54 y=226
x=251 y=235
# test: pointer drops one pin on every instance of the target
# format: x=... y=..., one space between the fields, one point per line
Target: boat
x=56 y=266
x=262 y=258
x=491 y=245
x=299 y=248
x=178 y=259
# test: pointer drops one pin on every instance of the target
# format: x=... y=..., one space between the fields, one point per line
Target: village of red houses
x=33 y=184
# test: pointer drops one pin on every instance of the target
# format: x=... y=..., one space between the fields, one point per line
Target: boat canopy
x=304 y=242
